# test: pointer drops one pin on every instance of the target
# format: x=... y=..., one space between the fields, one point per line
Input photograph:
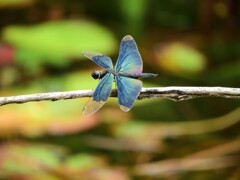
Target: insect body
x=126 y=73
x=100 y=74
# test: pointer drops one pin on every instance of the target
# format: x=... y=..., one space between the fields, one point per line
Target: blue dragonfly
x=126 y=73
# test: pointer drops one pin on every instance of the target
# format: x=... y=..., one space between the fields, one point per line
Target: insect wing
x=99 y=59
x=92 y=107
x=129 y=59
x=128 y=90
x=100 y=95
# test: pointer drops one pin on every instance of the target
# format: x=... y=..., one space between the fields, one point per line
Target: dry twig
x=172 y=93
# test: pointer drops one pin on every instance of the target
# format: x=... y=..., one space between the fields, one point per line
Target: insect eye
x=95 y=74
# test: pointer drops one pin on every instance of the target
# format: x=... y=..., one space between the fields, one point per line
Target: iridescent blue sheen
x=99 y=59
x=128 y=90
x=128 y=68
x=104 y=88
x=129 y=59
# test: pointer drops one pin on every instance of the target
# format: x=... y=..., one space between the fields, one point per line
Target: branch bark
x=172 y=93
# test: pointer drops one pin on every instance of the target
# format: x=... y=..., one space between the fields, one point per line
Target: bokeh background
x=186 y=42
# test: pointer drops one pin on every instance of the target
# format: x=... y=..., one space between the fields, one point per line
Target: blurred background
x=186 y=42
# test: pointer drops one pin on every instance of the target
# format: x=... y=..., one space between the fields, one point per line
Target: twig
x=184 y=93
x=173 y=166
x=212 y=158
x=172 y=93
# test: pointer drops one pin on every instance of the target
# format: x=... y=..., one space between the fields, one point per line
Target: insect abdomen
x=136 y=76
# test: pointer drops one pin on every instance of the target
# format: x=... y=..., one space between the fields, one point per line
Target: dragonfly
x=127 y=71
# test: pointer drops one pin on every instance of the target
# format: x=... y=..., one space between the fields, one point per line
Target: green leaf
x=55 y=42
x=83 y=161
x=20 y=157
x=181 y=59
x=7 y=3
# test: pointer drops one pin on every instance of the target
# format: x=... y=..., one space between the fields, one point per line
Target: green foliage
x=133 y=13
x=181 y=59
x=185 y=42
x=37 y=155
x=55 y=43
x=7 y=3
x=175 y=14
x=39 y=161
x=83 y=161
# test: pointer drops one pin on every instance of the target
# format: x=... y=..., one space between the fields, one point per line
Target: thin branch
x=172 y=93
x=212 y=158
x=184 y=93
x=174 y=166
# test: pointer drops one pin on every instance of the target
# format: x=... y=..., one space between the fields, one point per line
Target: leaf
x=92 y=167
x=15 y=3
x=20 y=160
x=53 y=43
x=28 y=159
x=84 y=162
x=180 y=59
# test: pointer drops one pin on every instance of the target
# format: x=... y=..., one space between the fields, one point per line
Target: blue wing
x=100 y=95
x=99 y=59
x=128 y=90
x=129 y=59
